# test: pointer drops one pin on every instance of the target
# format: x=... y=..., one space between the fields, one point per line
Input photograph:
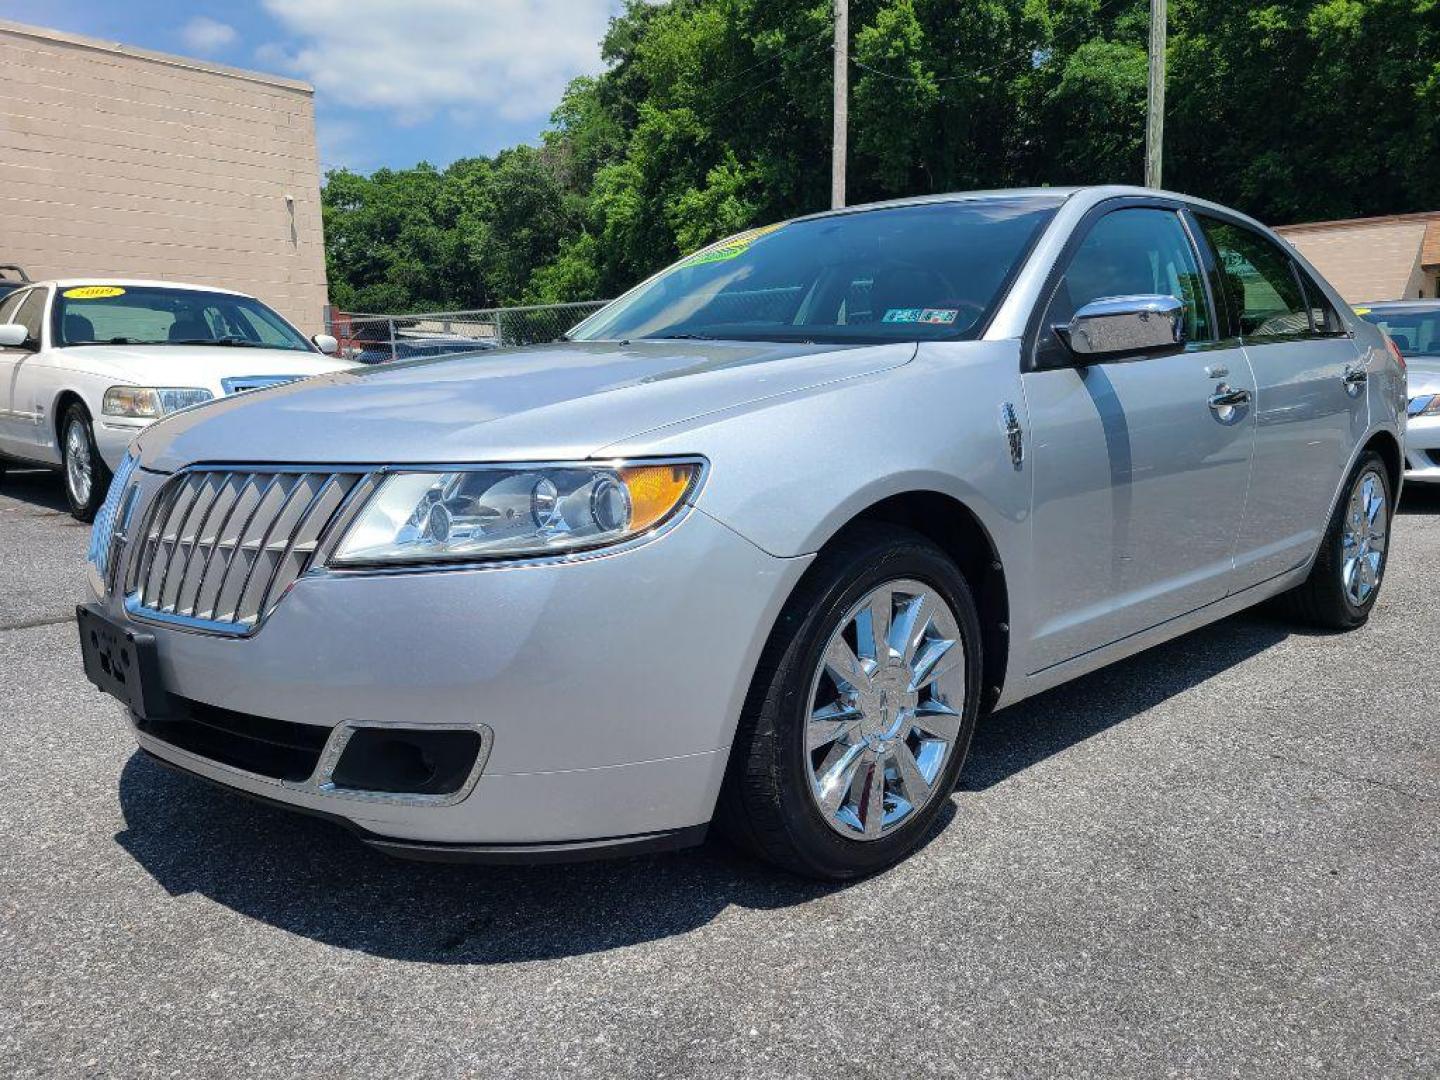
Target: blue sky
x=397 y=81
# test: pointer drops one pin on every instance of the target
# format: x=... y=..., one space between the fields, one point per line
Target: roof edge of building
x=45 y=33
x=1361 y=222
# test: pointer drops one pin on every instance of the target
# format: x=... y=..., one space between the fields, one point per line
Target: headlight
x=150 y=402
x=514 y=512
x=1424 y=405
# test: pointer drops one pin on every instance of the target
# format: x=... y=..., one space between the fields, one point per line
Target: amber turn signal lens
x=655 y=491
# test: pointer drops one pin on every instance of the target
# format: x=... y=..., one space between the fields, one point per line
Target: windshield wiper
x=110 y=341
x=236 y=342
x=677 y=337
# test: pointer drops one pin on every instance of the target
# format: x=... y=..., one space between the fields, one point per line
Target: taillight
x=1395 y=351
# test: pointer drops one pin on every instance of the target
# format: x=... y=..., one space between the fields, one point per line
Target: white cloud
x=205 y=35
x=511 y=57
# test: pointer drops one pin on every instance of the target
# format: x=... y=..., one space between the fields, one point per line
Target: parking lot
x=1220 y=858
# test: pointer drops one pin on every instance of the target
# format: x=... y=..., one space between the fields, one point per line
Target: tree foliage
x=714 y=115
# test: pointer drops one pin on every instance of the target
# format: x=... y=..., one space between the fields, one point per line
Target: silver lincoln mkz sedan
x=760 y=541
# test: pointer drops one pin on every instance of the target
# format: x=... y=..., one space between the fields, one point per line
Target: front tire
x=1345 y=581
x=87 y=478
x=861 y=711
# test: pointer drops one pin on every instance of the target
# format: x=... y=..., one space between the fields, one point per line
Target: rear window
x=1259 y=281
x=1416 y=333
x=907 y=273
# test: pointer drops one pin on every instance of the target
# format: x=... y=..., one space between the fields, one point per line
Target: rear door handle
x=1226 y=398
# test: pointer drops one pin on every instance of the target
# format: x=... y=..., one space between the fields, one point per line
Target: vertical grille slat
x=221 y=547
x=168 y=550
x=198 y=561
x=191 y=541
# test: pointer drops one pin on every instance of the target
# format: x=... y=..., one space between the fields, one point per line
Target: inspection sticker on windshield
x=731 y=247
x=939 y=316
x=93 y=292
x=902 y=314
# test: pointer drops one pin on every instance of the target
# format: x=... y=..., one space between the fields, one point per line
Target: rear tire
x=833 y=779
x=86 y=476
x=1345 y=581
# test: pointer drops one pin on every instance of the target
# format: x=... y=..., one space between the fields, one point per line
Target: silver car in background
x=1414 y=328
x=761 y=541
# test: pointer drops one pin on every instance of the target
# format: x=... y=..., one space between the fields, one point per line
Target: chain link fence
x=378 y=339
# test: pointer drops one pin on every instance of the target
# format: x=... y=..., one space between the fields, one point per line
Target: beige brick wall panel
x=116 y=161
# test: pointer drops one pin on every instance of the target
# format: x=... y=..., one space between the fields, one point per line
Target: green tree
x=714 y=115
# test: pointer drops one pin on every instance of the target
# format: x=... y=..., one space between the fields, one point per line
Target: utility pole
x=842 y=102
x=1155 y=104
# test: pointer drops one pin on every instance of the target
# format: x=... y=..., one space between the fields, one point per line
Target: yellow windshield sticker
x=731 y=247
x=1362 y=311
x=93 y=292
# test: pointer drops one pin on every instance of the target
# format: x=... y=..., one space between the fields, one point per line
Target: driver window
x=9 y=305
x=30 y=315
x=1128 y=253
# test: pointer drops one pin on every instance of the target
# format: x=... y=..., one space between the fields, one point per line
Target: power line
x=777 y=60
x=800 y=47
x=911 y=78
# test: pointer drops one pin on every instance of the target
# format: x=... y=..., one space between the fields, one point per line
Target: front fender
x=790 y=472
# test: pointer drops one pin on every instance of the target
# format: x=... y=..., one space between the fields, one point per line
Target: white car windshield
x=154 y=315
x=929 y=271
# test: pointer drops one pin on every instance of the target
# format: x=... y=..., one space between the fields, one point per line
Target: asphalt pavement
x=1220 y=858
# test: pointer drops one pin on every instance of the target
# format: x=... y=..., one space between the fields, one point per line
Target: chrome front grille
x=220 y=547
x=243 y=384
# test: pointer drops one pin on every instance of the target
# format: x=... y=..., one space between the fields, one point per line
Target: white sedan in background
x=86 y=364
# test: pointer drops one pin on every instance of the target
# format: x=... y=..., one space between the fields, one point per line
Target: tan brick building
x=1379 y=258
x=120 y=161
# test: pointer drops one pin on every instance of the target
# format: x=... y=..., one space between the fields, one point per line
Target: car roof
x=1091 y=194
x=135 y=283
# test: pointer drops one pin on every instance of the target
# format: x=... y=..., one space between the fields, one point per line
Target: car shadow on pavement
x=312 y=878
x=41 y=488
x=1420 y=499
x=1014 y=739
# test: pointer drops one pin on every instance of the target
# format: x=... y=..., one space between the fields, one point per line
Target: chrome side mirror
x=13 y=335
x=1115 y=326
x=326 y=344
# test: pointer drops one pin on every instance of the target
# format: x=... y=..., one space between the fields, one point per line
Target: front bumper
x=612 y=687
x=1422 y=449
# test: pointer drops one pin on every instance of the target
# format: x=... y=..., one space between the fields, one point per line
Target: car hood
x=193 y=365
x=556 y=402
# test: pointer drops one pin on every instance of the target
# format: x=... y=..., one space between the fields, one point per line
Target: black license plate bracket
x=122 y=662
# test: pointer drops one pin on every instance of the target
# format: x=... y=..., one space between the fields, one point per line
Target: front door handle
x=1226 y=398
x=1356 y=376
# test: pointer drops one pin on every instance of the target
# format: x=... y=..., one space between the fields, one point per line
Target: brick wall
x=118 y=161
x=1377 y=260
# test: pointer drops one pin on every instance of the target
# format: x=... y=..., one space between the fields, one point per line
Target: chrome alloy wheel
x=885 y=710
x=1367 y=525
x=79 y=471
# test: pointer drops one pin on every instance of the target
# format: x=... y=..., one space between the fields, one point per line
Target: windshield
x=155 y=315
x=1416 y=333
x=907 y=273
